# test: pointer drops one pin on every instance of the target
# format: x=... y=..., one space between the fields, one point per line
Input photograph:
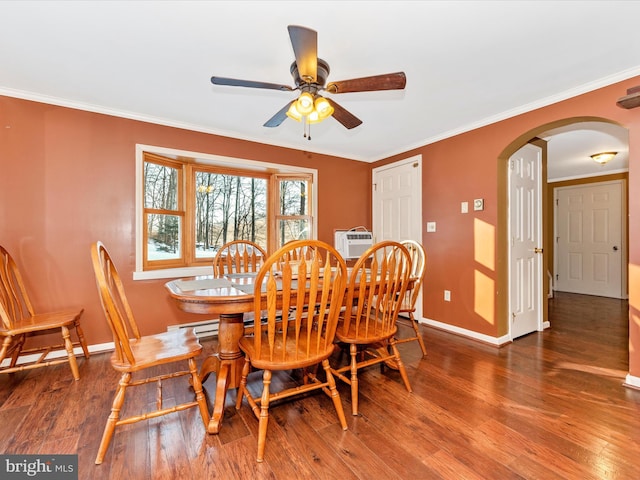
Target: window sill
x=172 y=273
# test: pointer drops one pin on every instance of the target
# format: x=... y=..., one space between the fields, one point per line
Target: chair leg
x=335 y=396
x=264 y=414
x=416 y=327
x=68 y=345
x=243 y=383
x=109 y=428
x=197 y=388
x=81 y=339
x=17 y=349
x=353 y=349
x=5 y=348
x=401 y=367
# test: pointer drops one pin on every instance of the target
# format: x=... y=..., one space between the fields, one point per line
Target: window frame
x=279 y=217
x=234 y=166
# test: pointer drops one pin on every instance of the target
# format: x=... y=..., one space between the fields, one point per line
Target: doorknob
x=615 y=248
x=539 y=250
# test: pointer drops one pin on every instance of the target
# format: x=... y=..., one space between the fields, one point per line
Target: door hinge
x=557 y=277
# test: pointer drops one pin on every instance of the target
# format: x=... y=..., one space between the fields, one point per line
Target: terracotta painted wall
x=473 y=165
x=67 y=179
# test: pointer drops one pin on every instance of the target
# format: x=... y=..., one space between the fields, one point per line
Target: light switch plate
x=478 y=204
x=431 y=226
x=464 y=207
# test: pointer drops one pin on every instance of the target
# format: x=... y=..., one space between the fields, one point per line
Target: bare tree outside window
x=229 y=207
x=294 y=221
x=192 y=208
x=160 y=197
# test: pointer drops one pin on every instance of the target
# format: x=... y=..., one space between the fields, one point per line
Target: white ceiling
x=468 y=63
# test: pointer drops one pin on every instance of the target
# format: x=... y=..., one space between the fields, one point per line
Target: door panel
x=589 y=233
x=525 y=231
x=397 y=204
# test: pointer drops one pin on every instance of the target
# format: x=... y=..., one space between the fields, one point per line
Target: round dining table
x=229 y=298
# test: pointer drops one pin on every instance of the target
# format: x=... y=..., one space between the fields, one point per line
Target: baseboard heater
x=206 y=328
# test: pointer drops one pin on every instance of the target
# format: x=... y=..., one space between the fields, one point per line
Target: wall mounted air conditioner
x=352 y=243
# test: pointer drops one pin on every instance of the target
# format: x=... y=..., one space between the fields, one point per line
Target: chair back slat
x=304 y=282
x=15 y=304
x=238 y=256
x=114 y=304
x=418 y=268
x=375 y=291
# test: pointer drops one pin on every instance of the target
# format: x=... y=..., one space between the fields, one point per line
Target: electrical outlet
x=464 y=207
x=431 y=226
x=447 y=295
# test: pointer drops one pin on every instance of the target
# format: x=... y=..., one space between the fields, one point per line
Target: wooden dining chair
x=21 y=322
x=238 y=256
x=135 y=353
x=294 y=336
x=375 y=291
x=418 y=267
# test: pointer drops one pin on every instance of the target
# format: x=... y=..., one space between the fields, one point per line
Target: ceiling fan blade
x=346 y=118
x=388 y=81
x=234 y=82
x=305 y=47
x=279 y=117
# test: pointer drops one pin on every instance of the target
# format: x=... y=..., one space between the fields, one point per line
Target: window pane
x=228 y=207
x=160 y=186
x=293 y=197
x=294 y=230
x=163 y=233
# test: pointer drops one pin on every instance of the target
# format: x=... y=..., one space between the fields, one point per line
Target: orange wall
x=473 y=165
x=67 y=179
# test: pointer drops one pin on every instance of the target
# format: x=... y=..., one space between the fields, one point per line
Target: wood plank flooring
x=551 y=405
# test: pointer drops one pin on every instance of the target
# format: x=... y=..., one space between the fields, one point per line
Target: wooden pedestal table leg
x=227 y=365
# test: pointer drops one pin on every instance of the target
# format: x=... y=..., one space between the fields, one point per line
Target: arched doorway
x=546 y=133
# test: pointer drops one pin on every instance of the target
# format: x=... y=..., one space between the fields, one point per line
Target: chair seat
x=287 y=358
x=43 y=321
x=161 y=348
x=362 y=337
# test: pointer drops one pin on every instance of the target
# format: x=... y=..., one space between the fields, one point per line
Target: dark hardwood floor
x=550 y=405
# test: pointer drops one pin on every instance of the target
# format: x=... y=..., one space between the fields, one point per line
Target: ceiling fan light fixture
x=313 y=117
x=323 y=107
x=305 y=103
x=603 y=157
x=293 y=112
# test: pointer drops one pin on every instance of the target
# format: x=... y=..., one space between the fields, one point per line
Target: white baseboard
x=632 y=382
x=497 y=341
x=98 y=348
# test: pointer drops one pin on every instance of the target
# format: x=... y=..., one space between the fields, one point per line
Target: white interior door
x=397 y=204
x=589 y=239
x=525 y=233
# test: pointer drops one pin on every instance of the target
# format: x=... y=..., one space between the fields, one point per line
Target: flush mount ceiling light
x=603 y=157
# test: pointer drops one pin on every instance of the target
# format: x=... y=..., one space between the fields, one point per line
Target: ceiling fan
x=310 y=75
